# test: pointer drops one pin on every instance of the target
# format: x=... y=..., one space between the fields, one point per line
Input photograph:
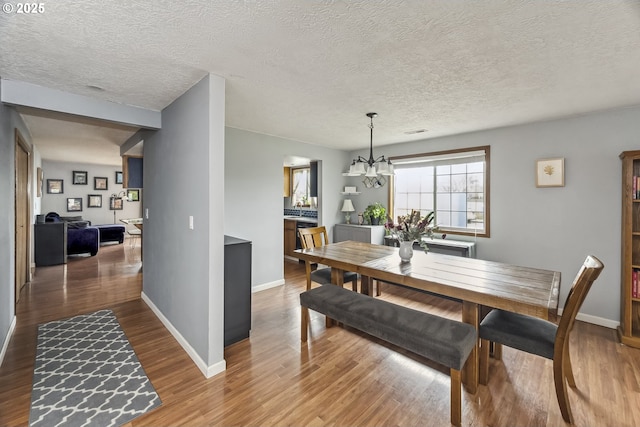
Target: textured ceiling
x=310 y=70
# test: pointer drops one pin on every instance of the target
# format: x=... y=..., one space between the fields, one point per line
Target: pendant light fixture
x=370 y=167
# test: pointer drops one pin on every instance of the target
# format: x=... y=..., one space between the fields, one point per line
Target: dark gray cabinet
x=50 y=243
x=313 y=179
x=237 y=289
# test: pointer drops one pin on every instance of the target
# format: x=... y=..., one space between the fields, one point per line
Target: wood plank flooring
x=341 y=378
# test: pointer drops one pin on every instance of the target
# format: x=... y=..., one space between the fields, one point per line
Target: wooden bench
x=442 y=340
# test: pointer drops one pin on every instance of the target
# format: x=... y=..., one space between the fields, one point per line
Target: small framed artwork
x=94 y=200
x=133 y=195
x=74 y=204
x=100 y=183
x=55 y=186
x=80 y=178
x=118 y=177
x=115 y=203
x=550 y=172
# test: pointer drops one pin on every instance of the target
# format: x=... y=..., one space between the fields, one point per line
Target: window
x=454 y=184
x=300 y=186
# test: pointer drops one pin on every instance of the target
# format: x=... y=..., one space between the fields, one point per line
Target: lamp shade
x=347 y=206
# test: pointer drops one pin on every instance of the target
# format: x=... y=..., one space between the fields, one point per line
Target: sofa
x=82 y=238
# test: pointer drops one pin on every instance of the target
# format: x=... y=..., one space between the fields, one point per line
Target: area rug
x=87 y=374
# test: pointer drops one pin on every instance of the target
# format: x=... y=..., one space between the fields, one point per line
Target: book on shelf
x=634 y=191
x=634 y=283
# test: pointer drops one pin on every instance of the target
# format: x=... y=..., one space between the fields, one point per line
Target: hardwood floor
x=341 y=377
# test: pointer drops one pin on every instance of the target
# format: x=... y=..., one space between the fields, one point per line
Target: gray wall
x=552 y=228
x=183 y=176
x=58 y=202
x=253 y=195
x=9 y=121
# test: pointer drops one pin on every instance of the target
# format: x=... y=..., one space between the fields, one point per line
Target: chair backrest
x=313 y=237
x=589 y=272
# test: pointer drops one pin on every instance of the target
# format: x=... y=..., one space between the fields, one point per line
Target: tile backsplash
x=307 y=213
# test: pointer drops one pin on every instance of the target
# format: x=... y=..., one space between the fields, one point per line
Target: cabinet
x=629 y=329
x=289 y=237
x=359 y=233
x=237 y=289
x=287 y=182
x=50 y=243
x=313 y=179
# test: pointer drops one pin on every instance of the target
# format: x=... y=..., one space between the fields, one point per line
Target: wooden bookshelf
x=629 y=329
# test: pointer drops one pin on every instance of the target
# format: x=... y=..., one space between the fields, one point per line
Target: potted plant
x=375 y=213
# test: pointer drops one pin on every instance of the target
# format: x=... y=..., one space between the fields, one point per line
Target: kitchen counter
x=301 y=219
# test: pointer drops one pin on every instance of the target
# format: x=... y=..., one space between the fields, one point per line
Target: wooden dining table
x=475 y=282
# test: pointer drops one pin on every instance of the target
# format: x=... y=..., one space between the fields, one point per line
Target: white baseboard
x=12 y=327
x=207 y=371
x=595 y=320
x=268 y=285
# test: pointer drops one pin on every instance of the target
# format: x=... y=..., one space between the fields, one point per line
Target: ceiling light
x=371 y=167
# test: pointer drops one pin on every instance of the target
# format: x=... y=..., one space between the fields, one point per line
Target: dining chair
x=315 y=237
x=543 y=338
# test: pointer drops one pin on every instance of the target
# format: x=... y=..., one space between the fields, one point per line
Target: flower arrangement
x=413 y=227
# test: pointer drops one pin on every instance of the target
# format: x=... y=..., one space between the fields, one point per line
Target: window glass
x=301 y=186
x=453 y=184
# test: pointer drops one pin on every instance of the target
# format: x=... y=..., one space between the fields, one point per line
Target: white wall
x=253 y=201
x=58 y=202
x=552 y=228
x=183 y=176
x=9 y=121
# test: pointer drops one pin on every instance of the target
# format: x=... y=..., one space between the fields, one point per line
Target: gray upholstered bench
x=442 y=340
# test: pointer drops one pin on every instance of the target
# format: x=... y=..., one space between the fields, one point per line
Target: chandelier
x=374 y=167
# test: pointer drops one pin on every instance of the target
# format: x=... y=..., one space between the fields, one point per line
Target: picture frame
x=100 y=183
x=80 y=178
x=55 y=186
x=115 y=203
x=118 y=177
x=133 y=195
x=94 y=200
x=74 y=204
x=550 y=172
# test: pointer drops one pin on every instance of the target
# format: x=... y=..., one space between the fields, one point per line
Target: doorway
x=22 y=213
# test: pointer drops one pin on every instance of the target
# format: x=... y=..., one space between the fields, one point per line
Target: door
x=22 y=223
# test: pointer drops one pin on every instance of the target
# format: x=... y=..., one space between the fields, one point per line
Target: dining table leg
x=366 y=283
x=471 y=315
x=337 y=278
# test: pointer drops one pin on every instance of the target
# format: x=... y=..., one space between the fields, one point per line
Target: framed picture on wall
x=80 y=178
x=118 y=177
x=550 y=172
x=133 y=195
x=74 y=204
x=100 y=183
x=94 y=200
x=55 y=186
x=115 y=203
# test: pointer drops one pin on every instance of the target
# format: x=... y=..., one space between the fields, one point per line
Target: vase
x=406 y=250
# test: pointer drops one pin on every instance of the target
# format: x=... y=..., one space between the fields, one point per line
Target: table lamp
x=347 y=207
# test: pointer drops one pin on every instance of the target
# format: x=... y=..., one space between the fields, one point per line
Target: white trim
x=207 y=371
x=600 y=321
x=266 y=286
x=12 y=327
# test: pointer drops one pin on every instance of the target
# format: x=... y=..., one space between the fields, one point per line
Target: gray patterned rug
x=87 y=374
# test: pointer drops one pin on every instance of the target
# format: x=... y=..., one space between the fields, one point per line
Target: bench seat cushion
x=442 y=340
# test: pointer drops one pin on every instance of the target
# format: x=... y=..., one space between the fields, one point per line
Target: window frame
x=487 y=187
x=308 y=186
